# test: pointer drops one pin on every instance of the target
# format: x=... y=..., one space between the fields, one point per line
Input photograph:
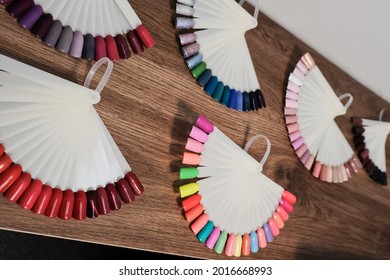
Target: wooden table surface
x=149 y=105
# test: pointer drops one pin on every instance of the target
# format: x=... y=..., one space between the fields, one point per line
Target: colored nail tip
x=308 y=61
x=261 y=238
x=5 y=2
x=191 y=158
x=194 y=146
x=278 y=220
x=199 y=135
x=246 y=245
x=187 y=38
x=184 y=23
x=80 y=206
x=42 y=26
x=135 y=184
x=198 y=71
x=204 y=78
x=92 y=204
x=2 y=149
x=112 y=49
x=220 y=245
x=125 y=191
x=31 y=195
x=54 y=204
x=5 y=162
x=357 y=120
x=134 y=42
x=188 y=173
x=237 y=247
x=184 y=10
x=43 y=200
x=189 y=189
x=282 y=213
x=203 y=123
x=103 y=204
x=65 y=40
x=76 y=48
x=211 y=85
x=225 y=96
x=67 y=204
x=145 y=36
x=100 y=48
x=190 y=50
x=217 y=94
x=18 y=8
x=53 y=34
x=213 y=238
x=194 y=61
x=191 y=202
x=199 y=223
x=205 y=232
x=254 y=243
x=273 y=226
x=317 y=169
x=286 y=206
x=9 y=176
x=17 y=189
x=113 y=197
x=194 y=213
x=123 y=48
x=268 y=234
x=31 y=16
x=229 y=247
x=289 y=197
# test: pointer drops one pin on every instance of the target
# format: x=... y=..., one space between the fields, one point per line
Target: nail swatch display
x=84 y=29
x=232 y=207
x=370 y=143
x=57 y=158
x=310 y=108
x=217 y=54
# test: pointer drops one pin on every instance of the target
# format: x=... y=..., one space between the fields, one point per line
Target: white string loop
x=256 y=6
x=381 y=114
x=350 y=100
x=106 y=76
x=267 y=152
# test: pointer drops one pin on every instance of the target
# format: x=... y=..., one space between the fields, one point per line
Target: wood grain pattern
x=149 y=105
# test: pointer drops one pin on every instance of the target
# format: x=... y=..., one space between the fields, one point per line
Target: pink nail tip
x=194 y=146
x=291 y=119
x=289 y=197
x=291 y=95
x=295 y=135
x=291 y=104
x=297 y=143
x=199 y=134
x=203 y=123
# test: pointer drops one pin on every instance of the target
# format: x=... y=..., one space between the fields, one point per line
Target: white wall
x=353 y=34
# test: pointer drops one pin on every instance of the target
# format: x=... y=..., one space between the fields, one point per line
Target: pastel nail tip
x=184 y=23
x=76 y=48
x=203 y=123
x=198 y=134
x=194 y=61
x=194 y=146
x=187 y=38
x=191 y=158
x=184 y=10
x=190 y=50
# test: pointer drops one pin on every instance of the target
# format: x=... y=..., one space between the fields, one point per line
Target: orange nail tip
x=191 y=158
x=199 y=223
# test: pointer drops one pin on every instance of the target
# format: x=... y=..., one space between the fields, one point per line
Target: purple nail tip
x=31 y=17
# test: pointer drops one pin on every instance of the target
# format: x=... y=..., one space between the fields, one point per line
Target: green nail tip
x=188 y=173
x=221 y=242
x=198 y=70
x=225 y=96
x=205 y=232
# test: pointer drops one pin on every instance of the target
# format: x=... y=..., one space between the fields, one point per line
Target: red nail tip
x=9 y=176
x=123 y=47
x=31 y=195
x=55 y=203
x=2 y=149
x=18 y=188
x=66 y=209
x=125 y=191
x=145 y=36
x=100 y=48
x=5 y=162
x=43 y=200
x=103 y=202
x=80 y=206
x=113 y=197
x=134 y=42
x=92 y=204
x=112 y=50
x=135 y=183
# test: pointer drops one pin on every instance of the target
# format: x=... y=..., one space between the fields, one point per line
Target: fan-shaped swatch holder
x=57 y=156
x=88 y=29
x=310 y=108
x=217 y=53
x=232 y=207
x=370 y=142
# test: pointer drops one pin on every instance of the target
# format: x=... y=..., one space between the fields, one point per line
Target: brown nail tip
x=103 y=202
x=113 y=197
x=43 y=200
x=92 y=204
x=80 y=206
x=134 y=42
x=123 y=48
x=357 y=120
x=67 y=204
x=135 y=183
x=125 y=191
